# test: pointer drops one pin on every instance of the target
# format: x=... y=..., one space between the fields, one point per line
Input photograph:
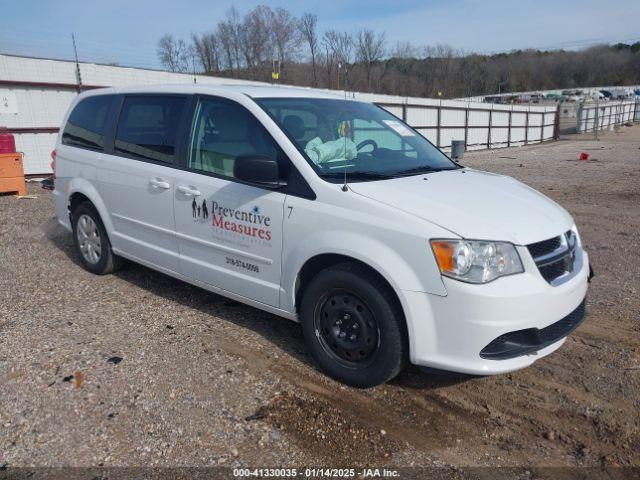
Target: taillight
x=53 y=162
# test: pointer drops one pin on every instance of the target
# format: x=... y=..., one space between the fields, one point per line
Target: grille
x=551 y=271
x=554 y=257
x=545 y=247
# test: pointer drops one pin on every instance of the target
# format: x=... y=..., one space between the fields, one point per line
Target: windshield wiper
x=363 y=175
x=418 y=170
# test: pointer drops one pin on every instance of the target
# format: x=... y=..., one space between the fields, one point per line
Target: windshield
x=360 y=138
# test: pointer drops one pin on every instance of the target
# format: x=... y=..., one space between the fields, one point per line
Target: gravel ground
x=139 y=369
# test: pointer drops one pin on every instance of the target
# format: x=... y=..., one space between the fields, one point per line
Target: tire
x=95 y=251
x=360 y=339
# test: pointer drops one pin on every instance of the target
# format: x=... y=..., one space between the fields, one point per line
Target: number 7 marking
x=290 y=210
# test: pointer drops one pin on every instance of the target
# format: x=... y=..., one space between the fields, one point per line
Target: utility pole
x=78 y=76
x=597 y=119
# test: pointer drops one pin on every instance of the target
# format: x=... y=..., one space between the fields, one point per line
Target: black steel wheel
x=353 y=325
x=347 y=329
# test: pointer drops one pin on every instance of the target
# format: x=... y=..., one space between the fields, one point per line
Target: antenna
x=75 y=51
x=193 y=68
x=344 y=135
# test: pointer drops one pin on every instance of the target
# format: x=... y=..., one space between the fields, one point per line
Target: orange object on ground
x=584 y=156
x=12 y=174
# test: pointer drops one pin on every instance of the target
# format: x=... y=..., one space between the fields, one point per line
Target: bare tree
x=341 y=43
x=173 y=54
x=328 y=61
x=228 y=33
x=245 y=45
x=404 y=50
x=207 y=51
x=370 y=49
x=256 y=39
x=284 y=32
x=341 y=46
x=443 y=60
x=308 y=24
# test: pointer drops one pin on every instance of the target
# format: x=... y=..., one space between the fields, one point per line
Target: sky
x=126 y=31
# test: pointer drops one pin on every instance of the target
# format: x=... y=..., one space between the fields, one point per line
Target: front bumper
x=530 y=340
x=450 y=332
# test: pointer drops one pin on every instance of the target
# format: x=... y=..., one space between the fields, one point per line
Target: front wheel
x=353 y=326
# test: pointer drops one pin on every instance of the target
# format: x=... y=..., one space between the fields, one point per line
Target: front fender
x=399 y=272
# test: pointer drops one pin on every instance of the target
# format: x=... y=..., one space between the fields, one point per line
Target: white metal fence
x=39 y=91
x=606 y=115
x=479 y=125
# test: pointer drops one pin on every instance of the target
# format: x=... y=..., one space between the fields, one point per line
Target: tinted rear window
x=148 y=127
x=87 y=123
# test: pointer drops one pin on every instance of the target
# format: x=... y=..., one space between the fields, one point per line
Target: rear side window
x=148 y=127
x=87 y=123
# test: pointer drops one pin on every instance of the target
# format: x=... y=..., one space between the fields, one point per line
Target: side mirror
x=257 y=169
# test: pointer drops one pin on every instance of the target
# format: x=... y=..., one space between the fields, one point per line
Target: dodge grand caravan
x=327 y=211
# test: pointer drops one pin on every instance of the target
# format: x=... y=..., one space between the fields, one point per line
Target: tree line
x=266 y=40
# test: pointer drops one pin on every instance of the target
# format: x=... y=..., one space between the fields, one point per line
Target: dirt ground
x=139 y=369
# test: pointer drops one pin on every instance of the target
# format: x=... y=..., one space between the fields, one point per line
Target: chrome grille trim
x=558 y=264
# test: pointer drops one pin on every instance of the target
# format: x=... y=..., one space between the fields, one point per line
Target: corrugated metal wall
x=43 y=89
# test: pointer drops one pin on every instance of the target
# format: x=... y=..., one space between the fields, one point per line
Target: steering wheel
x=364 y=143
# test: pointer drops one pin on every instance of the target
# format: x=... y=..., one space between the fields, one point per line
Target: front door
x=229 y=233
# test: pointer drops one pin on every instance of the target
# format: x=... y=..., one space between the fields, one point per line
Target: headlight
x=476 y=261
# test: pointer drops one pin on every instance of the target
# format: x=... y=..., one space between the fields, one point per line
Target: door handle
x=159 y=183
x=188 y=191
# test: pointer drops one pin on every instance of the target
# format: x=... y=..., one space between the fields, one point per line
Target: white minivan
x=327 y=211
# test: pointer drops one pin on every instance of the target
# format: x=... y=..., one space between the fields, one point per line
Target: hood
x=473 y=204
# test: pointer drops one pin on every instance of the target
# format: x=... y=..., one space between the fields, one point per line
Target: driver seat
x=294 y=126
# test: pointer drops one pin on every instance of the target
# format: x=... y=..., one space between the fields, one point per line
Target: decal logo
x=200 y=211
x=249 y=225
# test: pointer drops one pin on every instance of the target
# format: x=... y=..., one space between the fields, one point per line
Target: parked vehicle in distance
x=327 y=211
x=572 y=98
x=554 y=96
x=621 y=93
x=536 y=97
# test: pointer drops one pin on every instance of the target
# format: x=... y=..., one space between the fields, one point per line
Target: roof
x=254 y=91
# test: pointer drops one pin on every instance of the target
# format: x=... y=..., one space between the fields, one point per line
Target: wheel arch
x=81 y=190
x=317 y=263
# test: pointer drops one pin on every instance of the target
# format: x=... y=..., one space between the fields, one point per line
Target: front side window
x=360 y=139
x=148 y=127
x=222 y=132
x=87 y=123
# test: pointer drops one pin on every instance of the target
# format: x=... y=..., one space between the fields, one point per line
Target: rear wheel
x=353 y=326
x=91 y=241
